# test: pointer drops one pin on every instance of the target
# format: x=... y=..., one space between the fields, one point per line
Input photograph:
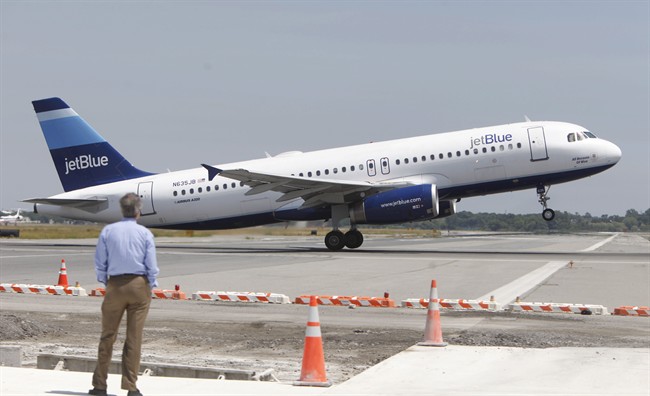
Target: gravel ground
x=261 y=345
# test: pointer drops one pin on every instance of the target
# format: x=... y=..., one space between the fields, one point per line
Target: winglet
x=212 y=171
x=527 y=119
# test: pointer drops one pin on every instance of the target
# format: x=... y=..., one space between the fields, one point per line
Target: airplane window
x=309 y=173
x=493 y=149
x=200 y=190
x=441 y=156
x=207 y=189
x=233 y=185
x=571 y=137
x=317 y=173
x=406 y=160
x=415 y=159
x=580 y=136
x=590 y=135
x=432 y=157
x=424 y=158
x=343 y=169
x=327 y=171
x=175 y=193
x=335 y=170
x=484 y=150
x=397 y=162
x=384 y=163
x=182 y=192
x=466 y=152
x=510 y=146
x=449 y=154
x=360 y=166
x=518 y=145
x=351 y=168
x=457 y=153
x=241 y=184
x=225 y=186
x=191 y=191
x=501 y=148
x=300 y=174
x=216 y=187
x=475 y=151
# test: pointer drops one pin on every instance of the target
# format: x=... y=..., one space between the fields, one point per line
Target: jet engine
x=397 y=206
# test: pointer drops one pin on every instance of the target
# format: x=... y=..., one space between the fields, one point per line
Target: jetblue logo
x=84 y=162
x=490 y=138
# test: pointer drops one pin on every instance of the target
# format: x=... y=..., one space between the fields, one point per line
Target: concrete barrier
x=377 y=302
x=454 y=305
x=585 y=309
x=11 y=355
x=272 y=298
x=43 y=289
x=87 y=365
x=628 y=310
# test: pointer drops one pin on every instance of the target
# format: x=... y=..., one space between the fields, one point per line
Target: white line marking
x=508 y=293
x=599 y=244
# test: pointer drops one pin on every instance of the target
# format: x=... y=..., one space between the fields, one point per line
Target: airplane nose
x=613 y=153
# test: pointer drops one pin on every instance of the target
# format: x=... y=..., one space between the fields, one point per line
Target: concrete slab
x=458 y=370
x=35 y=382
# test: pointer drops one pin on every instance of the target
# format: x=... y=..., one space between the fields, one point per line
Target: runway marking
x=599 y=244
x=508 y=293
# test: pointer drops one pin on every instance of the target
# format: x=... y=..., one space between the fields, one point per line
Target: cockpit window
x=590 y=135
x=571 y=137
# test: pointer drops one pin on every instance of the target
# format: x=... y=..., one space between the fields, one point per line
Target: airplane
x=11 y=218
x=395 y=181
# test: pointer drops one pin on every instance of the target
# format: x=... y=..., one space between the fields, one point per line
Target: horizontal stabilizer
x=92 y=205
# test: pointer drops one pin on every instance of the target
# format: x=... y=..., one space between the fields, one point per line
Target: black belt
x=125 y=275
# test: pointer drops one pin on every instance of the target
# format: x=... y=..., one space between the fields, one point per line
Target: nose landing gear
x=542 y=191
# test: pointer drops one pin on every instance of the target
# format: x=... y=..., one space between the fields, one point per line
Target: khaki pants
x=130 y=293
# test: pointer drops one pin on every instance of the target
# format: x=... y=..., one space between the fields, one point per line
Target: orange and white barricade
x=628 y=310
x=168 y=294
x=556 y=308
x=453 y=305
x=377 y=302
x=44 y=289
x=99 y=292
x=270 y=298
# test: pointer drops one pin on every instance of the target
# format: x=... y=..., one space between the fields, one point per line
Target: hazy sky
x=175 y=84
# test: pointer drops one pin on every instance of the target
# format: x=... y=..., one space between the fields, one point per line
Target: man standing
x=125 y=261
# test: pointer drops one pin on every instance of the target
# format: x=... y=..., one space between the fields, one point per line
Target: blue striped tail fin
x=82 y=157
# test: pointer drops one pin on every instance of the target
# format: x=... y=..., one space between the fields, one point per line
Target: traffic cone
x=63 y=275
x=313 y=358
x=433 y=329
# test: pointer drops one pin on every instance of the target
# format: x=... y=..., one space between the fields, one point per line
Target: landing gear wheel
x=548 y=214
x=334 y=240
x=353 y=239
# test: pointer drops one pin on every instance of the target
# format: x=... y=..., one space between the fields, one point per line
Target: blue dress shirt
x=126 y=247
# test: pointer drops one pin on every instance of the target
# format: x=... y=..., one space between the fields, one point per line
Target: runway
x=608 y=269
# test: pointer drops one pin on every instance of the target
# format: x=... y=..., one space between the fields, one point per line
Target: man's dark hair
x=131 y=205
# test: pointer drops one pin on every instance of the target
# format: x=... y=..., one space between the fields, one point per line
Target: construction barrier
x=453 y=305
x=168 y=294
x=377 y=302
x=556 y=308
x=628 y=310
x=99 y=292
x=272 y=298
x=43 y=289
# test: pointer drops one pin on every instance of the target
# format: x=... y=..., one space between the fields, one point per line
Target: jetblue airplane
x=396 y=181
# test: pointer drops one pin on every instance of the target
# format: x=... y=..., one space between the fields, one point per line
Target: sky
x=172 y=85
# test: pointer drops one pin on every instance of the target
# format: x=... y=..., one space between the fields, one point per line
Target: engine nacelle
x=446 y=208
x=397 y=206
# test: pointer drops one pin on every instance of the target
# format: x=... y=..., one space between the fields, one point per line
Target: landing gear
x=542 y=191
x=335 y=239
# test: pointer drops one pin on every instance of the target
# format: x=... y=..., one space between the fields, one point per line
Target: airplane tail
x=82 y=157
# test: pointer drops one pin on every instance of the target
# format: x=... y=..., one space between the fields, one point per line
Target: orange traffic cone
x=63 y=275
x=433 y=329
x=313 y=358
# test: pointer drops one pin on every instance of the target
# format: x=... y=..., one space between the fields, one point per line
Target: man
x=125 y=261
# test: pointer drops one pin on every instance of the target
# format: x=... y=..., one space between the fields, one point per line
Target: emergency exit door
x=145 y=192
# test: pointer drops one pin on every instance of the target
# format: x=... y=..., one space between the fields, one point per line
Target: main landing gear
x=337 y=240
x=542 y=191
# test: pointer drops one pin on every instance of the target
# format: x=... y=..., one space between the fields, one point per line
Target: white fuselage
x=464 y=163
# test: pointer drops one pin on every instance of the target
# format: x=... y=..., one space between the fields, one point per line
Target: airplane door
x=370 y=166
x=537 y=141
x=145 y=192
x=385 y=166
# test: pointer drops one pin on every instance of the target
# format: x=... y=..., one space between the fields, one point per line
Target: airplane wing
x=315 y=192
x=92 y=205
